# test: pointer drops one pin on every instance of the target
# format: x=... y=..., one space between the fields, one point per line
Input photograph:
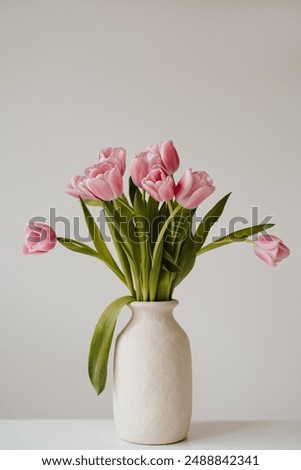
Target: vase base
x=152 y=443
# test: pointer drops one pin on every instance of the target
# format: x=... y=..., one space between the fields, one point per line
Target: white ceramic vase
x=152 y=385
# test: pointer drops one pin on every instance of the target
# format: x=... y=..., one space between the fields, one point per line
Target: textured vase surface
x=152 y=386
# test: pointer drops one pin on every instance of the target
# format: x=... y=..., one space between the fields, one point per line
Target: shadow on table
x=214 y=429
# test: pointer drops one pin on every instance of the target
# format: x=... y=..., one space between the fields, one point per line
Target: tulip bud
x=40 y=238
x=270 y=249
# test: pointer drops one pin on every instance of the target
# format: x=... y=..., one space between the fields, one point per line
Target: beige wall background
x=222 y=79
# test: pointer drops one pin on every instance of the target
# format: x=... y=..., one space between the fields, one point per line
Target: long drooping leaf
x=209 y=220
x=101 y=343
x=237 y=236
x=99 y=243
x=78 y=247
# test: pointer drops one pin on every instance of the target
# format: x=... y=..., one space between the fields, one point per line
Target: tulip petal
x=184 y=185
x=150 y=188
x=169 y=156
x=114 y=179
x=167 y=190
x=268 y=242
x=40 y=239
x=283 y=252
x=199 y=196
x=264 y=256
x=100 y=188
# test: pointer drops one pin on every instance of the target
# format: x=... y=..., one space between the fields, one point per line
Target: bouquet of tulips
x=153 y=232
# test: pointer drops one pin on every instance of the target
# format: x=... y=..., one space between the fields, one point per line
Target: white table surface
x=101 y=434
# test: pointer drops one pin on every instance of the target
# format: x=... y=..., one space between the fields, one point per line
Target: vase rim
x=158 y=303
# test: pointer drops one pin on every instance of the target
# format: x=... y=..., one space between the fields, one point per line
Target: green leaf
x=160 y=238
x=125 y=233
x=209 y=220
x=169 y=263
x=101 y=343
x=157 y=256
x=186 y=259
x=132 y=190
x=154 y=273
x=78 y=247
x=237 y=236
x=93 y=202
x=152 y=209
x=155 y=223
x=122 y=226
x=163 y=289
x=139 y=205
x=127 y=209
x=123 y=258
x=99 y=243
x=141 y=223
x=142 y=233
x=181 y=226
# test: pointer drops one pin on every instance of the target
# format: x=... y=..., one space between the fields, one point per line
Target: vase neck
x=153 y=309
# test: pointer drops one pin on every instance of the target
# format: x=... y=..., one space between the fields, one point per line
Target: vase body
x=152 y=383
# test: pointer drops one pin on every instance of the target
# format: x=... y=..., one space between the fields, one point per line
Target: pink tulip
x=40 y=239
x=159 y=184
x=114 y=155
x=77 y=188
x=270 y=249
x=104 y=181
x=163 y=154
x=193 y=188
x=142 y=164
x=168 y=154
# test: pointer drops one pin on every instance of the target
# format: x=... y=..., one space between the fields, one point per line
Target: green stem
x=157 y=257
x=163 y=230
x=131 y=257
x=124 y=202
x=144 y=252
x=178 y=246
x=143 y=195
x=123 y=259
x=170 y=207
